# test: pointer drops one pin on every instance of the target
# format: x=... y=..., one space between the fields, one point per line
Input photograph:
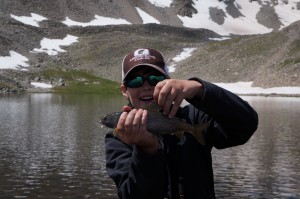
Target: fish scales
x=161 y=124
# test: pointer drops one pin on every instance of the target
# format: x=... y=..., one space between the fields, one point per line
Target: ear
x=124 y=89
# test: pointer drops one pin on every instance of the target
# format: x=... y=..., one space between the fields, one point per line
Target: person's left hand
x=132 y=129
x=170 y=93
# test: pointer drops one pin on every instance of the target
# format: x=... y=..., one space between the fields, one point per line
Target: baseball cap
x=144 y=57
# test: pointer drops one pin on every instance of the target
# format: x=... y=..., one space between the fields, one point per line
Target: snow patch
x=244 y=25
x=186 y=52
x=98 y=21
x=52 y=46
x=32 y=21
x=41 y=85
x=245 y=88
x=14 y=61
x=219 y=39
x=161 y=3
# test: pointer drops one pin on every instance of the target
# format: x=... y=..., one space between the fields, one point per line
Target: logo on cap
x=141 y=54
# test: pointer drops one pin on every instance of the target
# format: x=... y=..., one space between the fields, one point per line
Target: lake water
x=51 y=146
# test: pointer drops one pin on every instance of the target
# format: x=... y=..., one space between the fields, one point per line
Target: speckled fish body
x=159 y=123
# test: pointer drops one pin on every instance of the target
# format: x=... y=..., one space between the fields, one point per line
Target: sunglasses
x=138 y=81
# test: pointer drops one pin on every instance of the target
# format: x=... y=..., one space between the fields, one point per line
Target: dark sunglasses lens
x=153 y=79
x=135 y=83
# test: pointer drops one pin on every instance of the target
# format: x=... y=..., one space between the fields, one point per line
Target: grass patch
x=3 y=85
x=249 y=46
x=290 y=61
x=295 y=47
x=7 y=85
x=214 y=46
x=81 y=82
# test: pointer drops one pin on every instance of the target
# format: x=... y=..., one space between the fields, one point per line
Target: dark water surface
x=51 y=146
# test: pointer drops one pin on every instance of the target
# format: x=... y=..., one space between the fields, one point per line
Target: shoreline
x=44 y=91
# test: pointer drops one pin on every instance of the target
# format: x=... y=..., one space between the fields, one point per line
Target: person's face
x=142 y=96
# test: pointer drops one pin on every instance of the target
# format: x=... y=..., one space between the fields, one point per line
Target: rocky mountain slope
x=271 y=59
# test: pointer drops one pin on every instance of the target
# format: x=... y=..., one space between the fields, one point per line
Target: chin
x=145 y=103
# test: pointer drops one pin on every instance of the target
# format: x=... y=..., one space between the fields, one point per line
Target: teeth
x=146 y=98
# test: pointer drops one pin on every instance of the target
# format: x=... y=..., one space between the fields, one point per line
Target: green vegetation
x=81 y=82
x=261 y=45
x=290 y=61
x=214 y=46
x=3 y=85
x=251 y=46
x=295 y=47
x=7 y=87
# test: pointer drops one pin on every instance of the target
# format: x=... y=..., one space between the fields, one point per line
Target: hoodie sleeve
x=135 y=173
x=233 y=120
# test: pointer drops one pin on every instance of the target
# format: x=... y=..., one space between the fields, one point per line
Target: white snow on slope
x=186 y=52
x=219 y=39
x=41 y=85
x=242 y=25
x=32 y=21
x=245 y=88
x=98 y=21
x=161 y=3
x=146 y=17
x=52 y=46
x=14 y=61
x=288 y=12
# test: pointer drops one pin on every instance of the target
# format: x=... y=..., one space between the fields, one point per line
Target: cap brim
x=152 y=66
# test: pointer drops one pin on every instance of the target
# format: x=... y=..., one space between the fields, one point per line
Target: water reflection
x=51 y=146
x=268 y=165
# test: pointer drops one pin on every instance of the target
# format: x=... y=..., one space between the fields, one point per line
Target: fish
x=159 y=123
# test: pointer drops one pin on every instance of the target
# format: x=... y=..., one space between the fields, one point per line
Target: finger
x=121 y=123
x=169 y=101
x=165 y=90
x=135 y=129
x=175 y=107
x=157 y=89
x=128 y=122
x=143 y=125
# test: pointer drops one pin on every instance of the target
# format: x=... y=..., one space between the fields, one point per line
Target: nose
x=147 y=86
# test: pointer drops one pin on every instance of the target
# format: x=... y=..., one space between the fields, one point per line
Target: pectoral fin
x=198 y=133
x=179 y=134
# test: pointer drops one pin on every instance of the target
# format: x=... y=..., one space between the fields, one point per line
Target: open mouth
x=147 y=99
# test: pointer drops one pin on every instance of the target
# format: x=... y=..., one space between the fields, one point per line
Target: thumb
x=127 y=108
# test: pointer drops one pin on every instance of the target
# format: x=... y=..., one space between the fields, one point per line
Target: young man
x=144 y=165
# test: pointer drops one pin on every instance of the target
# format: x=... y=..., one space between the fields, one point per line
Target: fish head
x=111 y=120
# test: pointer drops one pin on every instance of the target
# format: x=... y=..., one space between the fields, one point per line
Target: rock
x=61 y=82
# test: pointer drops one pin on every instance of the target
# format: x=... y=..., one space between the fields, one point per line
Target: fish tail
x=198 y=132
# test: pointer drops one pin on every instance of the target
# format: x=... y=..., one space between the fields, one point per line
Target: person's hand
x=132 y=130
x=170 y=93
